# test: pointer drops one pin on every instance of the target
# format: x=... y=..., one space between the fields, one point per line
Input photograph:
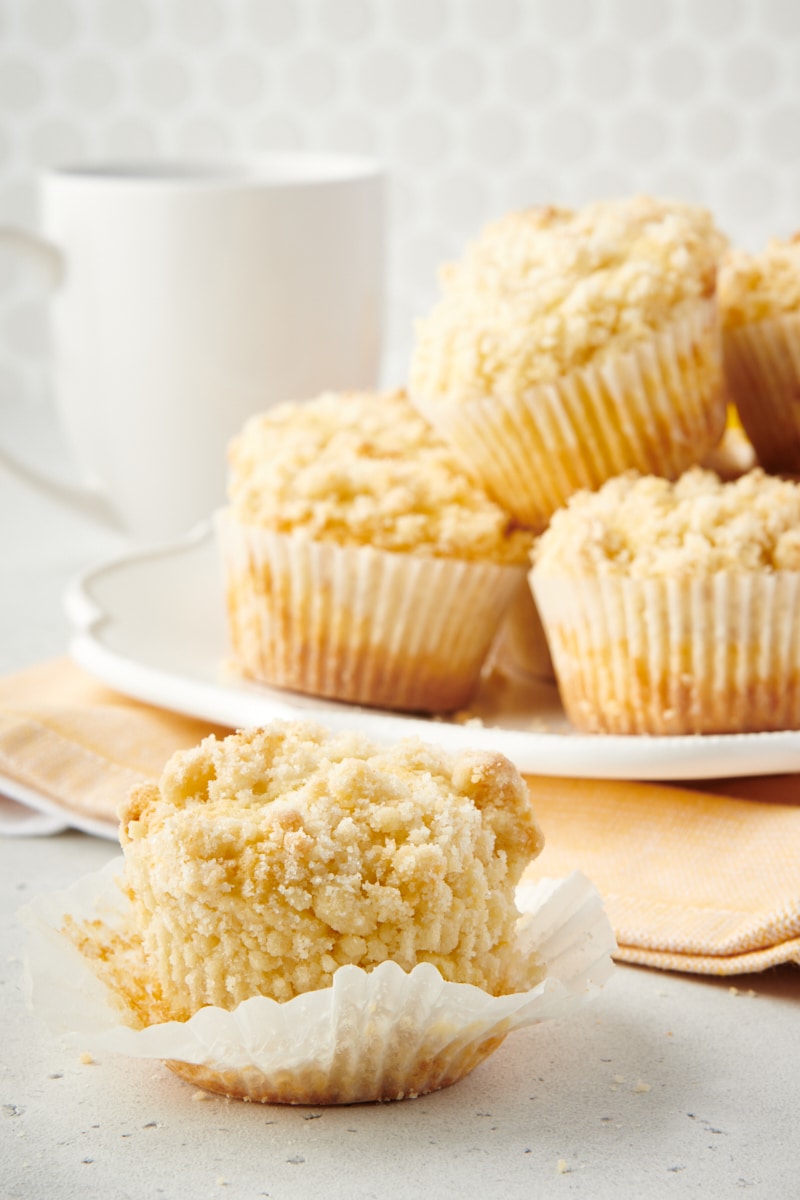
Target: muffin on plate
x=361 y=562
x=569 y=346
x=760 y=305
x=674 y=608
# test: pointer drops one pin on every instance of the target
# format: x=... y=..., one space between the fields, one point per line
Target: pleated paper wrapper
x=520 y=649
x=381 y=1035
x=657 y=407
x=762 y=372
x=394 y=630
x=719 y=654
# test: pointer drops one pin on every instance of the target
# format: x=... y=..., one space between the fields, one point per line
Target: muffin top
x=548 y=289
x=364 y=468
x=644 y=526
x=753 y=287
x=285 y=852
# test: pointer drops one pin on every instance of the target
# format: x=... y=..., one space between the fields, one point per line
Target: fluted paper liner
x=719 y=654
x=520 y=648
x=381 y=1035
x=762 y=372
x=657 y=407
x=394 y=630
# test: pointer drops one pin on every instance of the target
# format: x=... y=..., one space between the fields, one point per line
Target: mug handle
x=87 y=502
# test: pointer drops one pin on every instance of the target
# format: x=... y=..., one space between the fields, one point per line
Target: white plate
x=152 y=626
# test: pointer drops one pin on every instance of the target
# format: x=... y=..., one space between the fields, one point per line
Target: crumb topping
x=549 y=289
x=754 y=287
x=645 y=526
x=264 y=861
x=361 y=468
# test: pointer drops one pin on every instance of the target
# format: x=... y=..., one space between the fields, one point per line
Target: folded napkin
x=71 y=748
x=703 y=878
x=691 y=881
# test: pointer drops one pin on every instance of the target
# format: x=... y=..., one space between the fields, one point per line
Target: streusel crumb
x=754 y=287
x=646 y=526
x=360 y=468
x=264 y=861
x=548 y=289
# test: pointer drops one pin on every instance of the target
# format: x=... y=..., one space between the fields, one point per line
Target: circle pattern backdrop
x=476 y=106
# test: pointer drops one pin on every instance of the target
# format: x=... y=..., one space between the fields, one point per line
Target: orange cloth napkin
x=81 y=745
x=691 y=881
x=703 y=878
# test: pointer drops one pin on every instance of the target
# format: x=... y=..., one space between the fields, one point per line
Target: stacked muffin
x=569 y=346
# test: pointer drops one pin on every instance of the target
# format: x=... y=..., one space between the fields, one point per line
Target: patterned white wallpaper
x=474 y=105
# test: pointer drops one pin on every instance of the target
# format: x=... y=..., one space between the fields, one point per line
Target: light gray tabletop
x=667 y=1085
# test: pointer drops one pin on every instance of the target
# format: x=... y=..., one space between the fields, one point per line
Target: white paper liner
x=762 y=372
x=370 y=1036
x=520 y=648
x=400 y=631
x=657 y=407
x=719 y=654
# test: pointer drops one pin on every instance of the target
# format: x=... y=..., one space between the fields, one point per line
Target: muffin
x=265 y=861
x=361 y=562
x=288 y=865
x=760 y=307
x=674 y=608
x=569 y=346
x=305 y=917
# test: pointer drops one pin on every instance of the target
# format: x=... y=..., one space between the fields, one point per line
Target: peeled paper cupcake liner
x=657 y=407
x=762 y=372
x=719 y=654
x=393 y=630
x=382 y=1035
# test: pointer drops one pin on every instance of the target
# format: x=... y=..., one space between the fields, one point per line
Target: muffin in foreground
x=311 y=918
x=569 y=346
x=378 y=1035
x=675 y=608
x=760 y=306
x=263 y=862
x=361 y=562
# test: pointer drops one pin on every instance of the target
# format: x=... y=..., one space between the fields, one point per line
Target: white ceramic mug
x=187 y=298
